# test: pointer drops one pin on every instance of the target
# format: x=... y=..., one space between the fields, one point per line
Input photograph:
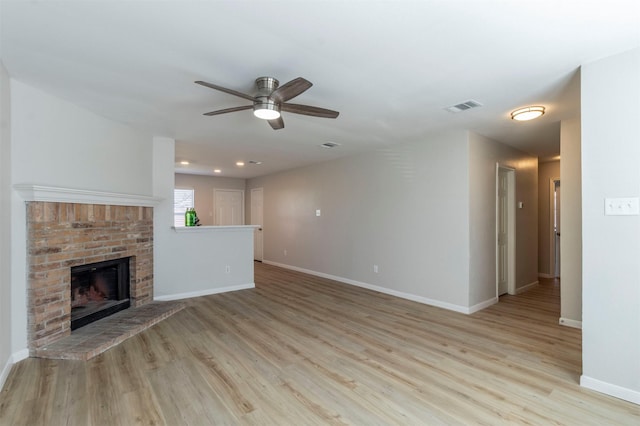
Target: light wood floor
x=301 y=350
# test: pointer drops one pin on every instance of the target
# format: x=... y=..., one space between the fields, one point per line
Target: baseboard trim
x=402 y=295
x=14 y=358
x=207 y=292
x=610 y=389
x=527 y=287
x=570 y=323
x=543 y=275
x=482 y=305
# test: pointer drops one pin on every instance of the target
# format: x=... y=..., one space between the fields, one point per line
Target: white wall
x=546 y=172
x=5 y=225
x=611 y=244
x=571 y=224
x=56 y=143
x=60 y=144
x=484 y=153
x=404 y=208
x=193 y=262
x=204 y=187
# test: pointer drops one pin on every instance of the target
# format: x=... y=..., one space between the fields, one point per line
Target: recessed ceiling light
x=255 y=162
x=217 y=171
x=184 y=163
x=240 y=163
x=528 y=113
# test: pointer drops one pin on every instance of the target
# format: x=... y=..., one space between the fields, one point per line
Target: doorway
x=257 y=200
x=554 y=204
x=505 y=230
x=228 y=205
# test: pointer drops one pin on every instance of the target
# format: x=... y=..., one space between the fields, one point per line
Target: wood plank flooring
x=301 y=350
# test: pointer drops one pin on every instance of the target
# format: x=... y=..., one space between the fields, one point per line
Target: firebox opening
x=99 y=290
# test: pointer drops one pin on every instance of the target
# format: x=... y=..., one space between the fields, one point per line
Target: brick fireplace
x=63 y=235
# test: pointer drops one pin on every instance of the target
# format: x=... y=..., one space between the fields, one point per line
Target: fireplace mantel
x=31 y=192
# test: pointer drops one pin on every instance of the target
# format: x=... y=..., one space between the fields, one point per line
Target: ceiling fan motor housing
x=266 y=85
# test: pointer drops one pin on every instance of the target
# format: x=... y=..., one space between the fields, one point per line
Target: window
x=182 y=200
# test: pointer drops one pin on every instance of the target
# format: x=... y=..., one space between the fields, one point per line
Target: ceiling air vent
x=329 y=145
x=464 y=106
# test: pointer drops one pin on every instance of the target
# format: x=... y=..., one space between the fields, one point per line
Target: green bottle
x=189 y=217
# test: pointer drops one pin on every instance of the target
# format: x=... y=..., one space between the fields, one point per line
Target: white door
x=502 y=266
x=228 y=207
x=256 y=219
x=505 y=230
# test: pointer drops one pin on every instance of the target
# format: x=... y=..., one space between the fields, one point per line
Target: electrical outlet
x=375 y=268
x=227 y=269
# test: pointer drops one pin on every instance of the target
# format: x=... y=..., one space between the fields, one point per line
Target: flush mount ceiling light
x=240 y=163
x=184 y=163
x=528 y=113
x=217 y=171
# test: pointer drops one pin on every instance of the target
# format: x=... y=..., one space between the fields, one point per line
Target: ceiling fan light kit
x=271 y=99
x=528 y=113
x=266 y=109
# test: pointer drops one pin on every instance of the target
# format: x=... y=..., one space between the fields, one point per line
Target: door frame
x=511 y=228
x=552 y=231
x=215 y=211
x=261 y=224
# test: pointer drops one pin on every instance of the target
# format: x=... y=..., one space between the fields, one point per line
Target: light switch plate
x=621 y=206
x=318 y=212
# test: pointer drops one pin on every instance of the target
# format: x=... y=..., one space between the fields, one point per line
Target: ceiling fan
x=271 y=99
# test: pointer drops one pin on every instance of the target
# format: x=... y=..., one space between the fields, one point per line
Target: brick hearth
x=62 y=235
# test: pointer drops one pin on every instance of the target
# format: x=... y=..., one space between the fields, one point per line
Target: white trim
x=236 y=228
x=570 y=323
x=32 y=192
x=482 y=305
x=616 y=391
x=527 y=287
x=261 y=225
x=207 y=292
x=408 y=296
x=543 y=275
x=14 y=358
x=552 y=231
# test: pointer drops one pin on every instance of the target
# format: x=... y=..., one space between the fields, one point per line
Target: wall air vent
x=329 y=145
x=464 y=106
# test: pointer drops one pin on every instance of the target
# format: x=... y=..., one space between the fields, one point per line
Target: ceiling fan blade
x=309 y=110
x=224 y=111
x=224 y=89
x=276 y=124
x=290 y=90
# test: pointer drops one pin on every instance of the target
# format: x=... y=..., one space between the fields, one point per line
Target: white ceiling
x=389 y=67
